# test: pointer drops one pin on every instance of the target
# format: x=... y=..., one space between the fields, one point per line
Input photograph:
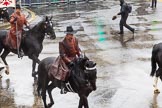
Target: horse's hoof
x=50 y=105
x=156 y=91
x=35 y=79
x=34 y=74
x=7 y=72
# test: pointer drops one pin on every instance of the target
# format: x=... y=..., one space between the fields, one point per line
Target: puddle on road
x=7 y=98
x=6 y=95
x=120 y=51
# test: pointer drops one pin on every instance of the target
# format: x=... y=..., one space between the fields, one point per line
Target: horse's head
x=4 y=13
x=48 y=26
x=88 y=70
x=91 y=73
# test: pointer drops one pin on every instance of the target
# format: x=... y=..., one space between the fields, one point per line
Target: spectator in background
x=124 y=12
x=154 y=2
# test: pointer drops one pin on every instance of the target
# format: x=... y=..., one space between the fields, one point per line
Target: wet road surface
x=123 y=63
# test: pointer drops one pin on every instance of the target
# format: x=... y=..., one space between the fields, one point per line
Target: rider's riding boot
x=63 y=91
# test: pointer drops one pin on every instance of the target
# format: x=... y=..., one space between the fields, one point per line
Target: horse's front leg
x=83 y=101
x=35 y=60
x=80 y=103
x=33 y=69
x=156 y=90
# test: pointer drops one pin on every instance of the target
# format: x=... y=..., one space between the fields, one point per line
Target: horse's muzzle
x=93 y=85
x=94 y=88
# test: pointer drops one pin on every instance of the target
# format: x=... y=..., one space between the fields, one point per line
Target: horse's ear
x=46 y=18
x=85 y=56
x=94 y=64
x=87 y=65
x=51 y=18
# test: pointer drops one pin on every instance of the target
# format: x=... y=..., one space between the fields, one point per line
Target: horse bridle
x=46 y=25
x=86 y=71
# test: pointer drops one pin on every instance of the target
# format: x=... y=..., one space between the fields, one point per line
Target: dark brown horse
x=32 y=44
x=156 y=59
x=4 y=14
x=82 y=80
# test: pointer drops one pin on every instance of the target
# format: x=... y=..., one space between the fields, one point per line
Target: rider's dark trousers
x=154 y=2
x=124 y=24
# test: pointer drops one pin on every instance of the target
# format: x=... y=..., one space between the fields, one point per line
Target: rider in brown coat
x=69 y=49
x=17 y=20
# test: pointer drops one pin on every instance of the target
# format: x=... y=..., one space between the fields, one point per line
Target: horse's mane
x=80 y=61
x=36 y=27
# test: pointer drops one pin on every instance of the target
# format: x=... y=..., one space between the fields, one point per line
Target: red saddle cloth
x=58 y=69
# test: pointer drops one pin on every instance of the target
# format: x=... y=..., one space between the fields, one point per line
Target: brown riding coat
x=12 y=39
x=69 y=48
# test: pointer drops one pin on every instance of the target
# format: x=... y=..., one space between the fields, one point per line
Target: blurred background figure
x=154 y=2
x=124 y=12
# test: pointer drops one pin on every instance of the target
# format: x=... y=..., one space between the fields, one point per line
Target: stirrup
x=21 y=54
x=63 y=91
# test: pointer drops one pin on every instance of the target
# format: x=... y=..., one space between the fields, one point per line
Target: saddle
x=11 y=39
x=59 y=70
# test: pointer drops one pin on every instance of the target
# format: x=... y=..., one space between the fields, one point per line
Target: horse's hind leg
x=44 y=97
x=39 y=87
x=50 y=88
x=43 y=93
x=33 y=68
x=3 y=56
x=156 y=90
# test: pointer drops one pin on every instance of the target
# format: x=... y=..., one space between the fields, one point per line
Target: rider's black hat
x=18 y=6
x=69 y=30
x=121 y=1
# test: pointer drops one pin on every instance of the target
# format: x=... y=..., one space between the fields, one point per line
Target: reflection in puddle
x=154 y=101
x=6 y=95
x=37 y=100
x=123 y=41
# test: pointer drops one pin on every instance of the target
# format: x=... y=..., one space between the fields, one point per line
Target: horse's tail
x=153 y=61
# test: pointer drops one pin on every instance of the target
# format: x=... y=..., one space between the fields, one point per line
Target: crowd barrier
x=41 y=2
